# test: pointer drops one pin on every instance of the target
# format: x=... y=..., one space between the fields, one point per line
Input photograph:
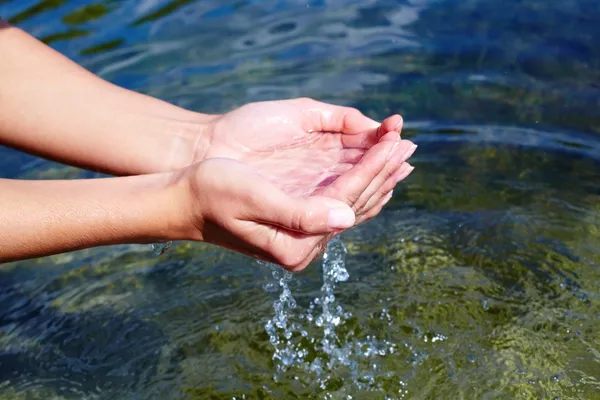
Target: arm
x=52 y=107
x=216 y=201
x=39 y=218
x=219 y=201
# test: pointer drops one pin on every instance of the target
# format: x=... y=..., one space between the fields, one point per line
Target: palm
x=298 y=144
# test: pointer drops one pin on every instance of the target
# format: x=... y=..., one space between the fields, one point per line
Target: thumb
x=311 y=215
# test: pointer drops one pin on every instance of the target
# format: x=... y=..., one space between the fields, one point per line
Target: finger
x=317 y=251
x=325 y=117
x=404 y=170
x=311 y=215
x=352 y=155
x=404 y=149
x=349 y=186
x=373 y=211
x=274 y=244
x=393 y=123
x=391 y=136
x=369 y=138
x=386 y=199
x=402 y=173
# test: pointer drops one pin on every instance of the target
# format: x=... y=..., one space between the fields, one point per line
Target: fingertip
x=393 y=123
x=340 y=215
x=387 y=198
x=405 y=170
x=404 y=150
x=341 y=218
x=399 y=124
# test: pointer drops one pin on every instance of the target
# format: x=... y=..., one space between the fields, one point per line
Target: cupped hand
x=302 y=146
x=286 y=153
x=234 y=206
x=231 y=205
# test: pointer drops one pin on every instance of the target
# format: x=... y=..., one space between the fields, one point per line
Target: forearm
x=39 y=218
x=52 y=107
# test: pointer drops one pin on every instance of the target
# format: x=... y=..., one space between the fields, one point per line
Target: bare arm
x=217 y=201
x=52 y=107
x=39 y=218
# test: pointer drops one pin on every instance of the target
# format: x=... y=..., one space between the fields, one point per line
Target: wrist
x=162 y=204
x=188 y=141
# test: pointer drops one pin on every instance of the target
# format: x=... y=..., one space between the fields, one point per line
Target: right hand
x=303 y=145
x=233 y=206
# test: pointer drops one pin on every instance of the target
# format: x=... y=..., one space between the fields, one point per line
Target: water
x=479 y=280
x=322 y=352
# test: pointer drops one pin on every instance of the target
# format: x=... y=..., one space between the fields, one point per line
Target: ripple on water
x=479 y=279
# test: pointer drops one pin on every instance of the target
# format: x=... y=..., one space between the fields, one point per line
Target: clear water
x=479 y=280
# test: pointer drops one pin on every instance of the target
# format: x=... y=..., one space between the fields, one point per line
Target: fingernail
x=389 y=156
x=409 y=152
x=387 y=197
x=405 y=173
x=399 y=125
x=341 y=218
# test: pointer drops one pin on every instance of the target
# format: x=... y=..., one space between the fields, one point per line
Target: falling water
x=289 y=332
x=285 y=352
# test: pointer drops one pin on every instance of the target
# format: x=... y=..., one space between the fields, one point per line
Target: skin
x=272 y=180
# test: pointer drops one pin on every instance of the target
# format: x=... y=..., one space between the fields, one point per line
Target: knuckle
x=390 y=170
x=355 y=189
x=369 y=205
x=297 y=259
x=298 y=221
x=387 y=187
x=348 y=115
x=339 y=191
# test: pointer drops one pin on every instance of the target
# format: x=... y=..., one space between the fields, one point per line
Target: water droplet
x=484 y=304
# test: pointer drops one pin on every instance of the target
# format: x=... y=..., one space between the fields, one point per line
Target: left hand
x=306 y=147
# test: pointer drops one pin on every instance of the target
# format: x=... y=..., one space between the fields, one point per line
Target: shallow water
x=479 y=280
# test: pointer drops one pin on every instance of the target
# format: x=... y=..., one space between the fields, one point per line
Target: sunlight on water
x=479 y=280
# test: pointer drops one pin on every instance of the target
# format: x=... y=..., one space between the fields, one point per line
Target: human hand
x=303 y=146
x=234 y=206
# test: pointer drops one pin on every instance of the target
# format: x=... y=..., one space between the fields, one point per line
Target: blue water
x=491 y=247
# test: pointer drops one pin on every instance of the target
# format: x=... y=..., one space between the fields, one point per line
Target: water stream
x=323 y=350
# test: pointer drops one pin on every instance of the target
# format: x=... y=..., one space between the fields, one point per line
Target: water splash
x=285 y=351
x=332 y=314
x=289 y=332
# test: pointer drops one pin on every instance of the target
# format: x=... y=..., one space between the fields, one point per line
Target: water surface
x=479 y=280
